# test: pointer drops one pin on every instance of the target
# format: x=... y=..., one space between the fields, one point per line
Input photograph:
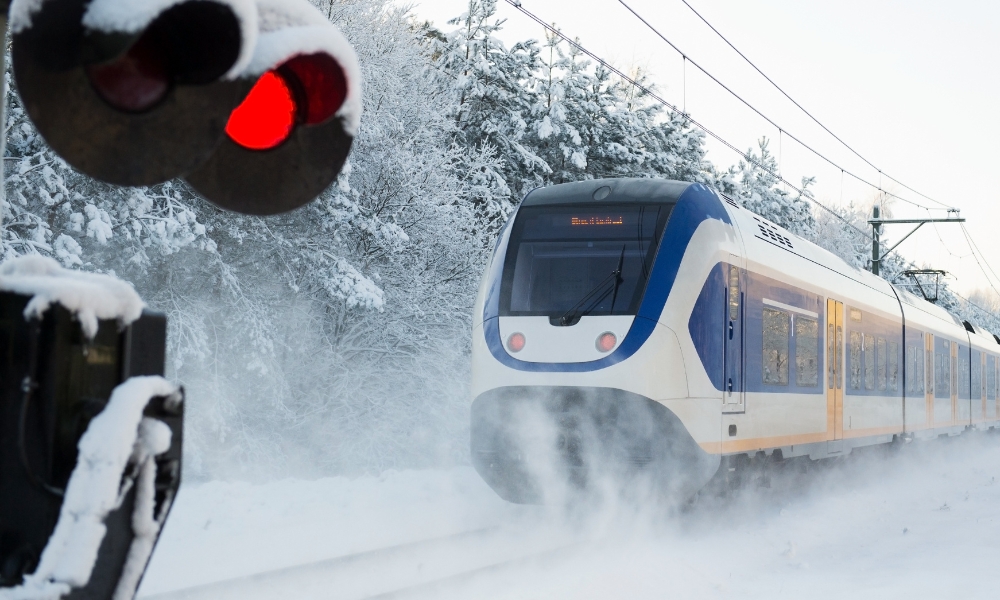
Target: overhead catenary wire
x=806 y=112
x=974 y=249
x=770 y=121
x=971 y=303
x=649 y=92
x=652 y=94
x=972 y=246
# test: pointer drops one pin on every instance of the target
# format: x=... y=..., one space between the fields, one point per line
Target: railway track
x=416 y=569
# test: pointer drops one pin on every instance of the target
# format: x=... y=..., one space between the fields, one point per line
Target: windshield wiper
x=571 y=316
x=618 y=278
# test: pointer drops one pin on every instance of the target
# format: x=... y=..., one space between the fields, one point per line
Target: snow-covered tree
x=755 y=183
x=491 y=103
x=591 y=124
x=335 y=338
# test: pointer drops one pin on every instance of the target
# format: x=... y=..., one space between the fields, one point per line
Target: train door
x=834 y=369
x=982 y=386
x=954 y=383
x=929 y=373
x=735 y=393
x=996 y=403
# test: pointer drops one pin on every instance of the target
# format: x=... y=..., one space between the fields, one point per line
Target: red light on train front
x=606 y=342
x=515 y=342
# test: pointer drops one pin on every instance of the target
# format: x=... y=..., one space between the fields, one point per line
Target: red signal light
x=307 y=89
x=266 y=116
x=322 y=84
x=136 y=81
x=606 y=342
x=515 y=342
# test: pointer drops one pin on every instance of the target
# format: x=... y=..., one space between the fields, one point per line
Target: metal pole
x=3 y=121
x=875 y=245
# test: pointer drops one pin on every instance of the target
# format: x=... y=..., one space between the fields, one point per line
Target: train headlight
x=606 y=342
x=515 y=342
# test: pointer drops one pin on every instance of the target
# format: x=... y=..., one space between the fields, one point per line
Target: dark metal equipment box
x=53 y=381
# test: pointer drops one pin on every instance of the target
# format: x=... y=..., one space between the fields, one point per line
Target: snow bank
x=89 y=296
x=293 y=27
x=221 y=530
x=114 y=437
x=922 y=524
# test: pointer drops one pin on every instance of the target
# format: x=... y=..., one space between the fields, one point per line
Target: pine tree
x=755 y=183
x=493 y=95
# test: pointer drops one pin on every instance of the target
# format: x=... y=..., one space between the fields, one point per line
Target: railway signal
x=131 y=93
x=288 y=139
x=259 y=120
x=135 y=93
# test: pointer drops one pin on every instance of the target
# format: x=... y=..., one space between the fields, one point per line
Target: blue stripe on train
x=696 y=205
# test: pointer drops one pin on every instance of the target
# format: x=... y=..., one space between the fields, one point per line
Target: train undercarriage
x=544 y=444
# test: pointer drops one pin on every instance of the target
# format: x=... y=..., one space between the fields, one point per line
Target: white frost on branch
x=346 y=283
x=116 y=436
x=89 y=296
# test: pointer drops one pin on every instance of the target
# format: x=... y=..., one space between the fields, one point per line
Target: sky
x=911 y=86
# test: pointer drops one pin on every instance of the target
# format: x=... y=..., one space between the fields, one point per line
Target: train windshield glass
x=570 y=261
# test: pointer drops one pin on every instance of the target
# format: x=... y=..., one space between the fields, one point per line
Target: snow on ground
x=923 y=523
x=218 y=531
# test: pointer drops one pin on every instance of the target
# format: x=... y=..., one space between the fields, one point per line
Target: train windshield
x=569 y=261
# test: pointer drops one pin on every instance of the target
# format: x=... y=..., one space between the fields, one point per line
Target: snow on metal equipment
x=289 y=138
x=90 y=433
x=131 y=92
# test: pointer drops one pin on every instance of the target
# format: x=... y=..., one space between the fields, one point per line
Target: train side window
x=869 y=353
x=893 y=366
x=991 y=378
x=910 y=360
x=922 y=366
x=977 y=376
x=855 y=360
x=963 y=374
x=929 y=371
x=831 y=353
x=734 y=292
x=942 y=369
x=909 y=374
x=919 y=376
x=777 y=325
x=881 y=362
x=806 y=352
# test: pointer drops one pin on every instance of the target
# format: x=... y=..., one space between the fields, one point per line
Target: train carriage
x=654 y=328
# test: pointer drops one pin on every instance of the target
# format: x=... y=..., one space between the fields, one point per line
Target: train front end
x=579 y=339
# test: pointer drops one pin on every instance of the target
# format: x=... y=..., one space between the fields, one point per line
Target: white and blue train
x=654 y=326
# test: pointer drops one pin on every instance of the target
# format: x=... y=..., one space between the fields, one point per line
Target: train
x=658 y=328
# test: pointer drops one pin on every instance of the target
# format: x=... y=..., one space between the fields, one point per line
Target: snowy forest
x=335 y=339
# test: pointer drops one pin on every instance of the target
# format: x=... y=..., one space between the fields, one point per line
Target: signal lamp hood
x=288 y=139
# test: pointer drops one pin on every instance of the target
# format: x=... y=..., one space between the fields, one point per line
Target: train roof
x=624 y=190
x=629 y=190
x=920 y=313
